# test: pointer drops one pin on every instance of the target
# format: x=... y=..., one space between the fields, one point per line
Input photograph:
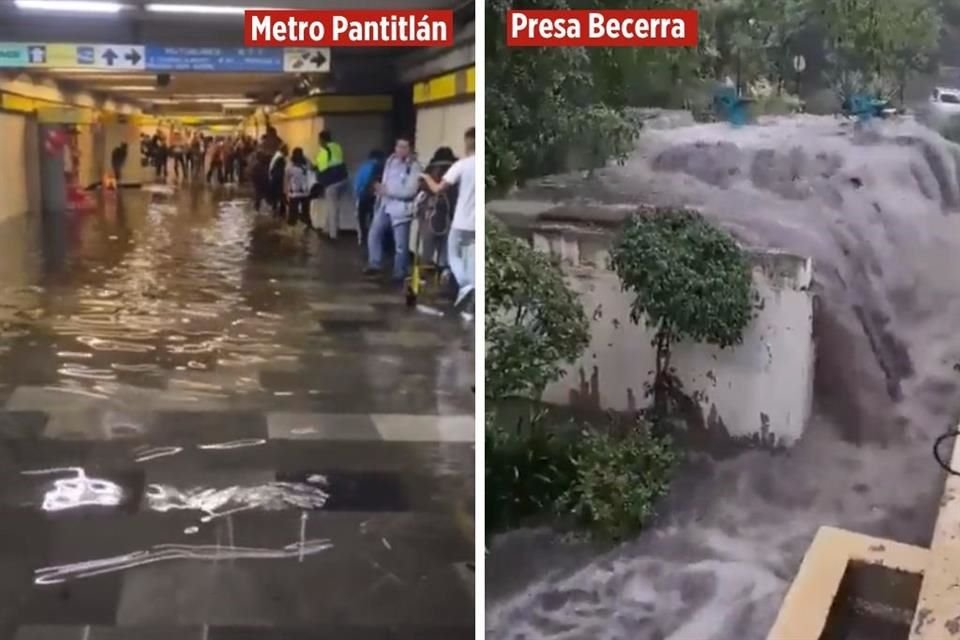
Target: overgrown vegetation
x=535 y=323
x=606 y=480
x=543 y=104
x=528 y=470
x=618 y=479
x=603 y=480
x=689 y=280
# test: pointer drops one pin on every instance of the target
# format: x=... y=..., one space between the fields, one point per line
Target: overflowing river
x=878 y=210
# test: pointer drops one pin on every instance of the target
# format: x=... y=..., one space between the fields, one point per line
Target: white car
x=944 y=104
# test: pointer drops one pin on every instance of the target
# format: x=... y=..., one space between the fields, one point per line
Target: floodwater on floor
x=214 y=427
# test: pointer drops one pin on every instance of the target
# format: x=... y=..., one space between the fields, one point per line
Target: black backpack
x=436 y=209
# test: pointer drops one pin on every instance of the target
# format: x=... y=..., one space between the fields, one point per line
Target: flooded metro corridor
x=217 y=428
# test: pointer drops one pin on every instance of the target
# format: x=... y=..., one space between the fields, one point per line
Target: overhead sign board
x=13 y=55
x=117 y=57
x=217 y=59
x=121 y=57
x=306 y=60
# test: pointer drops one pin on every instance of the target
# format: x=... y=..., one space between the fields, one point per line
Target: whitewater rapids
x=878 y=210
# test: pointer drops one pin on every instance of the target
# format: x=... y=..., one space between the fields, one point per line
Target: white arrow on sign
x=306 y=60
x=120 y=56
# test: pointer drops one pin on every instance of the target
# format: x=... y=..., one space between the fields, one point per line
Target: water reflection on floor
x=213 y=428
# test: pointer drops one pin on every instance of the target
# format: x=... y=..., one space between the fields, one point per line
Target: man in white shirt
x=461 y=240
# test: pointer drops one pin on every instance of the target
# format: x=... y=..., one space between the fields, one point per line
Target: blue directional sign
x=226 y=60
x=13 y=55
x=86 y=55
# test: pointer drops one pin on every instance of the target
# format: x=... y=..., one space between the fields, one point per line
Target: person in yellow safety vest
x=332 y=180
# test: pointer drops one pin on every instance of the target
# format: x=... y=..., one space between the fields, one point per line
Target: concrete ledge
x=938 y=607
x=807 y=605
x=761 y=390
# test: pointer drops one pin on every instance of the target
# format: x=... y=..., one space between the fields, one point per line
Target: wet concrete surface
x=212 y=428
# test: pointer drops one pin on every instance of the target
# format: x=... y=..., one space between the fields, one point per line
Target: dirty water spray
x=878 y=211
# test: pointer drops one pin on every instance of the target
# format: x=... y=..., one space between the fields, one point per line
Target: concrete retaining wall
x=760 y=389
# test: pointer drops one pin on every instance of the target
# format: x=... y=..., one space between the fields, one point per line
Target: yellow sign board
x=455 y=84
x=65 y=115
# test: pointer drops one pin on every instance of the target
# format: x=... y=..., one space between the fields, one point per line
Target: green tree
x=689 y=280
x=534 y=322
x=875 y=43
x=542 y=104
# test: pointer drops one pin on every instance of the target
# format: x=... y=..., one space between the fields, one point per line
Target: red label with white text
x=612 y=28
x=274 y=28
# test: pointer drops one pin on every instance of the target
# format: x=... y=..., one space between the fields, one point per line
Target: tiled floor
x=211 y=429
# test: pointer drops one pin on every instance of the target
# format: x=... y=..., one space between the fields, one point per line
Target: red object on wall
x=55 y=142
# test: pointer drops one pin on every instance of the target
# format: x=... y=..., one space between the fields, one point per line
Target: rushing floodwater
x=879 y=213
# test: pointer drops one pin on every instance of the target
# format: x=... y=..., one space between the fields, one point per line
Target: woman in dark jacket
x=260 y=177
x=436 y=211
x=278 y=173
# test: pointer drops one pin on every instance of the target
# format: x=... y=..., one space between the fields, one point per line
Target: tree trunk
x=660 y=382
x=739 y=70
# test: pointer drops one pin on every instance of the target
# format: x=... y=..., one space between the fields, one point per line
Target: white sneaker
x=463 y=295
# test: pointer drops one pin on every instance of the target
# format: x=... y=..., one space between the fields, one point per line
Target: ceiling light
x=209 y=97
x=222 y=100
x=196 y=8
x=190 y=100
x=81 y=6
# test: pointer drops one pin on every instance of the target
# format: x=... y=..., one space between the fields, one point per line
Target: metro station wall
x=358 y=134
x=115 y=133
x=19 y=166
x=443 y=126
x=90 y=160
x=301 y=132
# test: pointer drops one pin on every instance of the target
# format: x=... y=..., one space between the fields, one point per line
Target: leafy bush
x=689 y=280
x=618 y=480
x=606 y=481
x=528 y=468
x=601 y=134
x=535 y=323
x=545 y=104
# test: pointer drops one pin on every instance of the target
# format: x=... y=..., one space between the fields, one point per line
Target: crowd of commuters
x=393 y=194
x=194 y=156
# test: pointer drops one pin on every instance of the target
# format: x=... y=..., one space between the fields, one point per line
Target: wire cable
x=936 y=452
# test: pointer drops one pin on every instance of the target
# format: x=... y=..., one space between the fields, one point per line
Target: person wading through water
x=368 y=175
x=394 y=211
x=461 y=242
x=277 y=175
x=298 y=180
x=118 y=158
x=332 y=179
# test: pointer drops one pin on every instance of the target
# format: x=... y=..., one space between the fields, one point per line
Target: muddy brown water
x=878 y=213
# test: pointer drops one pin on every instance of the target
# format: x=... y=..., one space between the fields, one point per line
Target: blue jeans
x=460 y=246
x=382 y=225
